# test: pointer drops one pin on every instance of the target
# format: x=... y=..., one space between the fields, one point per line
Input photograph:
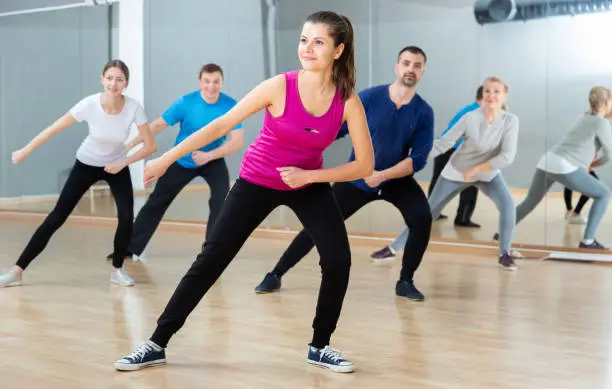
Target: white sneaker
x=120 y=277
x=516 y=254
x=576 y=219
x=10 y=279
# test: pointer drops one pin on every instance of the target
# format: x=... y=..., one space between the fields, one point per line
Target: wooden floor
x=545 y=326
x=544 y=227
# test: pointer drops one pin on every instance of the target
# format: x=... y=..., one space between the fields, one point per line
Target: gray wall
x=182 y=36
x=549 y=64
x=48 y=62
x=19 y=5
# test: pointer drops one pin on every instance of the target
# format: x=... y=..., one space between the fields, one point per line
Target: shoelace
x=333 y=354
x=140 y=352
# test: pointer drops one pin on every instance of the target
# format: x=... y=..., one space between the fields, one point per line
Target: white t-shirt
x=107 y=133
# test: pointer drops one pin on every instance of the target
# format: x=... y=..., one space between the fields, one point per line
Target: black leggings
x=168 y=187
x=245 y=207
x=404 y=193
x=81 y=178
x=567 y=195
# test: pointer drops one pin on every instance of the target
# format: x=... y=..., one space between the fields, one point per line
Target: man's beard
x=409 y=82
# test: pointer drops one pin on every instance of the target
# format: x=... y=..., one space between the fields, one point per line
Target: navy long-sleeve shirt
x=396 y=133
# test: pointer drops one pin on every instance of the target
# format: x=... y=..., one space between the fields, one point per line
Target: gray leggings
x=496 y=189
x=579 y=181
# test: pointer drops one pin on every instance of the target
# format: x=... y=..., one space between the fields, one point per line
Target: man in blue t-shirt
x=192 y=111
x=468 y=197
x=401 y=125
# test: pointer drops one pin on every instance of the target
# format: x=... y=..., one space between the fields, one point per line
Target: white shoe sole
x=122 y=283
x=138 y=366
x=334 y=368
x=10 y=284
x=514 y=268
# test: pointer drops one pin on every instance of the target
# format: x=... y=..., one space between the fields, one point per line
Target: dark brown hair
x=479 y=93
x=414 y=50
x=210 y=68
x=119 y=64
x=341 y=30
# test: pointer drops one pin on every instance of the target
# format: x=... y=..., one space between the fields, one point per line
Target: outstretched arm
x=450 y=138
x=236 y=138
x=58 y=126
x=256 y=100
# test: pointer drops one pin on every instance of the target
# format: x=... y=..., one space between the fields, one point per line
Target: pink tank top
x=295 y=138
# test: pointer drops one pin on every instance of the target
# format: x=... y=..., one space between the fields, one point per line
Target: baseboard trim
x=541 y=252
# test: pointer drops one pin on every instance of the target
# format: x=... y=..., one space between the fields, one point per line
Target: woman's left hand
x=114 y=168
x=471 y=172
x=295 y=177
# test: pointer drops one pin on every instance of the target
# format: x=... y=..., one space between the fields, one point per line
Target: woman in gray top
x=568 y=163
x=490 y=137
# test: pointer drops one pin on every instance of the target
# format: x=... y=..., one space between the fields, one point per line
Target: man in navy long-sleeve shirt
x=402 y=129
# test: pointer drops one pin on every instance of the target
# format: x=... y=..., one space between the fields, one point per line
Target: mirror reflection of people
x=304 y=111
x=401 y=125
x=468 y=196
x=569 y=161
x=573 y=215
x=193 y=111
x=101 y=156
x=490 y=137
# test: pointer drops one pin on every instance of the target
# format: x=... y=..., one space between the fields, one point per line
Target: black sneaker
x=127 y=255
x=468 y=224
x=593 y=246
x=507 y=262
x=384 y=253
x=270 y=283
x=408 y=290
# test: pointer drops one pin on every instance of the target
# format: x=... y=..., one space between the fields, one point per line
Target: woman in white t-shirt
x=102 y=156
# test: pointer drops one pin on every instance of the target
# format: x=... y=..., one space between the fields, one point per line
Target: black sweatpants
x=245 y=207
x=168 y=187
x=567 y=195
x=404 y=193
x=81 y=178
x=468 y=197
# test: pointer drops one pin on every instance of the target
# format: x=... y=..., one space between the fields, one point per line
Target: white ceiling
x=469 y=3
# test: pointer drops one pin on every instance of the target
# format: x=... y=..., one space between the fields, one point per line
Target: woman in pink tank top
x=284 y=166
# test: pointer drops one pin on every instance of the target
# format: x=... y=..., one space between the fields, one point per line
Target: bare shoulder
x=353 y=104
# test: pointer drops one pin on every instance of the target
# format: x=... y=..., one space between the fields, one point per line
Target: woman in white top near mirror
x=101 y=157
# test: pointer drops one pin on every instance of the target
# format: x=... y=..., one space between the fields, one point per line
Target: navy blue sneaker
x=507 y=262
x=408 y=290
x=595 y=245
x=329 y=358
x=146 y=355
x=270 y=283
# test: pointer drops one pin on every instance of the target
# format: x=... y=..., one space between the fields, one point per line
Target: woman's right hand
x=19 y=155
x=154 y=169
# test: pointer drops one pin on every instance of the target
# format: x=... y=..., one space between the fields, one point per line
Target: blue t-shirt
x=396 y=133
x=193 y=113
x=468 y=108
